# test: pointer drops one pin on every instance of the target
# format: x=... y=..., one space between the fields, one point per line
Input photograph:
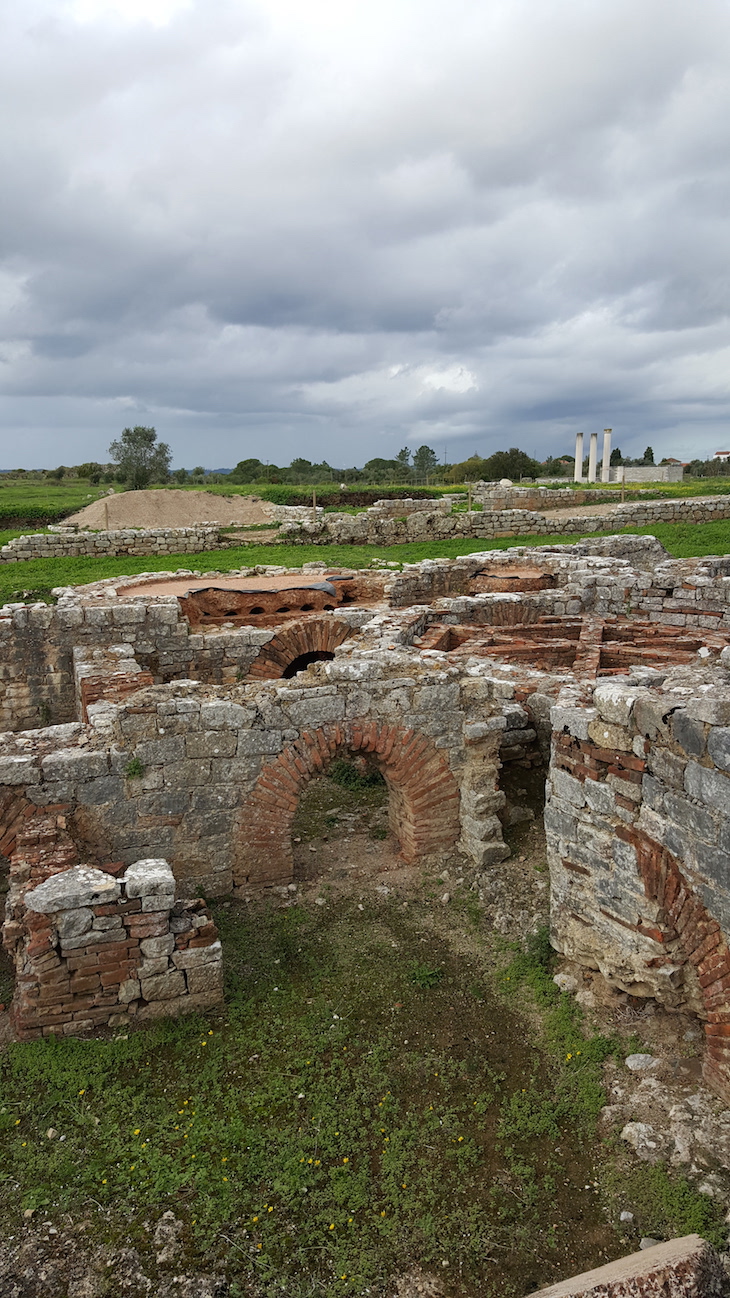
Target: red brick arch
x=424 y=796
x=310 y=635
x=690 y=933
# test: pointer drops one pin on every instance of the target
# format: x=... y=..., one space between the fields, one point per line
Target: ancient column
x=606 y=465
x=578 y=474
x=592 y=457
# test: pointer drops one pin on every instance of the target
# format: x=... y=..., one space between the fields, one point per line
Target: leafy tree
x=139 y=458
x=58 y=473
x=616 y=457
x=246 y=471
x=90 y=470
x=514 y=464
x=425 y=461
x=181 y=475
x=648 y=457
x=404 y=456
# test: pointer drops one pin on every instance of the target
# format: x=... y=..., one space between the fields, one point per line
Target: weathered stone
x=72 y=889
x=157 y=946
x=197 y=955
x=163 y=986
x=605 y=735
x=689 y=734
x=149 y=878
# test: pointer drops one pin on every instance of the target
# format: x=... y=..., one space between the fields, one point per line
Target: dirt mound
x=162 y=508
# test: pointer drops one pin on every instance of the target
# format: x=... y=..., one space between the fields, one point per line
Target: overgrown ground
x=393 y=1090
x=36 y=578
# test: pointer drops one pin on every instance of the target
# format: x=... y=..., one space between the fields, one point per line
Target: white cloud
x=337 y=227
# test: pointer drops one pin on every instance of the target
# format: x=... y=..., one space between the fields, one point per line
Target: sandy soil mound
x=171 y=509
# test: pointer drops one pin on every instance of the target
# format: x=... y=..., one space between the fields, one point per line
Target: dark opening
x=284 y=609
x=257 y=609
x=301 y=663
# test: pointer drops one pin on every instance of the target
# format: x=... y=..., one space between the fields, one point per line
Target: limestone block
x=106 y=923
x=615 y=701
x=483 y=830
x=163 y=986
x=151 y=877
x=718 y=746
x=129 y=990
x=156 y=751
x=253 y=743
x=211 y=743
x=605 y=735
x=568 y=788
x=153 y=967
x=72 y=923
x=18 y=770
x=152 y=947
x=205 y=978
x=75 y=764
x=600 y=797
x=197 y=956
x=163 y=901
x=572 y=720
x=72 y=889
x=187 y=774
x=690 y=734
x=226 y=716
x=708 y=786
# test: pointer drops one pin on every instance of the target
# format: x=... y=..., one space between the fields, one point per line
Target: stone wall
x=94 y=948
x=376 y=529
x=129 y=541
x=680 y=1268
x=191 y=774
x=638 y=831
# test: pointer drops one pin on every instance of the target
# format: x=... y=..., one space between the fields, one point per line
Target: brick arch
x=424 y=796
x=310 y=635
x=691 y=933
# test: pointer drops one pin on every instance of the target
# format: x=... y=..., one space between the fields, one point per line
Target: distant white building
x=722 y=455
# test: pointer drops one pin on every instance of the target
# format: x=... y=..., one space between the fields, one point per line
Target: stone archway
x=299 y=640
x=687 y=930
x=423 y=809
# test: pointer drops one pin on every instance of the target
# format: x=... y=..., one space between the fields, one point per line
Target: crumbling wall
x=93 y=950
x=638 y=831
x=63 y=544
x=378 y=529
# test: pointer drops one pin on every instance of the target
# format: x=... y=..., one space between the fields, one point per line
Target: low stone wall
x=92 y=950
x=375 y=529
x=638 y=834
x=72 y=544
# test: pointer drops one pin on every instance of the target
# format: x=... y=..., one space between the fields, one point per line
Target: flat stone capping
x=681 y=1268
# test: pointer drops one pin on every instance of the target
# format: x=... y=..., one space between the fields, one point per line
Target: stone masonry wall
x=141 y=541
x=638 y=831
x=376 y=529
x=206 y=755
x=91 y=949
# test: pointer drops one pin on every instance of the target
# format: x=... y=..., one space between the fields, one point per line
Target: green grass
x=367 y=1102
x=36 y=577
x=44 y=502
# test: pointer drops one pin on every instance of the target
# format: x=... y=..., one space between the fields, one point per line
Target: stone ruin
x=160 y=731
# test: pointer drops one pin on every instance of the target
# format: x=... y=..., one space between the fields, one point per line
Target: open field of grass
x=37 y=577
x=372 y=1098
x=43 y=502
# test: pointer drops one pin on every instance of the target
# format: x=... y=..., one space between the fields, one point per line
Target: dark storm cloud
x=332 y=229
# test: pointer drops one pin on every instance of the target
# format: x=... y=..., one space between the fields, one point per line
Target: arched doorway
x=310 y=640
x=301 y=663
x=423 y=802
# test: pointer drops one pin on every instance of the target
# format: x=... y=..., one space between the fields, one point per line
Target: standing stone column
x=578 y=474
x=592 y=457
x=606 y=465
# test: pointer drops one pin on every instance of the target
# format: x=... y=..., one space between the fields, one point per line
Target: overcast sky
x=332 y=228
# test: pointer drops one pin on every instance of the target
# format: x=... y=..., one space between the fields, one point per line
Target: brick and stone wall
x=95 y=948
x=638 y=831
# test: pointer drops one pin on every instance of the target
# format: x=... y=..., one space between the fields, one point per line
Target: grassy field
x=36 y=578
x=372 y=1098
